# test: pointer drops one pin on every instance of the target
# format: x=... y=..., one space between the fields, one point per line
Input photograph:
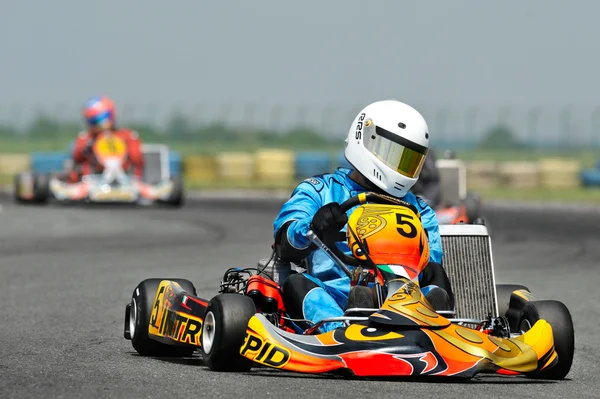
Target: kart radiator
x=470 y=268
x=156 y=163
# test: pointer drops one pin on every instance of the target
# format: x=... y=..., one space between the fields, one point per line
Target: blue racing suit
x=331 y=297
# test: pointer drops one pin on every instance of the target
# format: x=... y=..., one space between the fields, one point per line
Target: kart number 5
x=154 y=315
x=412 y=230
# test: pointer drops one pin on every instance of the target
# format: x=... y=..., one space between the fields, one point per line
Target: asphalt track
x=67 y=273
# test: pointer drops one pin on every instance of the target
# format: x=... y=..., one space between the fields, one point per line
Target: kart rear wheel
x=559 y=317
x=224 y=330
x=41 y=189
x=17 y=189
x=503 y=293
x=176 y=199
x=473 y=207
x=140 y=310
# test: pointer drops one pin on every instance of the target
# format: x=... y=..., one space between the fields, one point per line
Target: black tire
x=177 y=197
x=17 y=189
x=559 y=317
x=503 y=293
x=143 y=301
x=473 y=207
x=225 y=326
x=41 y=189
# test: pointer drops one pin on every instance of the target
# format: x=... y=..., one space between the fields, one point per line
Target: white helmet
x=387 y=143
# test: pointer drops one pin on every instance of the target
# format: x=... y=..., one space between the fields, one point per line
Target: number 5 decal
x=412 y=230
x=154 y=314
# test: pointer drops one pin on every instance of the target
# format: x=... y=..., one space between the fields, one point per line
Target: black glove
x=88 y=150
x=329 y=220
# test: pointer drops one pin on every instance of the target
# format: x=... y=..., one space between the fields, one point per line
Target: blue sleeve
x=300 y=209
x=430 y=223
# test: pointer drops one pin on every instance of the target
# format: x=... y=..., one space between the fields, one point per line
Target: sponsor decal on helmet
x=359 y=126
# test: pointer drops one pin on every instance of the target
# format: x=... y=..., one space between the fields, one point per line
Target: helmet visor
x=400 y=154
x=101 y=119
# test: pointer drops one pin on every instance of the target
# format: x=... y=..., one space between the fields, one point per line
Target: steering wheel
x=360 y=199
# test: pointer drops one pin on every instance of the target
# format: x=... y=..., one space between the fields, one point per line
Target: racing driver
x=428 y=186
x=100 y=115
x=386 y=146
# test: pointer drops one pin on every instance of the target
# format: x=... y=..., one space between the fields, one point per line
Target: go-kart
x=112 y=185
x=246 y=324
x=458 y=205
x=463 y=211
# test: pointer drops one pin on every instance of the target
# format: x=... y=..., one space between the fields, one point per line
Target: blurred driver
x=428 y=187
x=387 y=144
x=100 y=116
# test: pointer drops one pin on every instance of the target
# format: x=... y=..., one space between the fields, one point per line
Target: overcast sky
x=429 y=53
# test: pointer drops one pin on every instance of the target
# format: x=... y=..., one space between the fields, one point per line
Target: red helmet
x=99 y=112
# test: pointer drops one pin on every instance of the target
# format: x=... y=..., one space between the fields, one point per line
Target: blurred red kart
x=457 y=205
x=108 y=183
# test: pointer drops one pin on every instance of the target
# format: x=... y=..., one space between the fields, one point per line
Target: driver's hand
x=88 y=149
x=329 y=220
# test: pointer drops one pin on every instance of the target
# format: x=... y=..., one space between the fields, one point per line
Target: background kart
x=457 y=204
x=113 y=185
x=246 y=324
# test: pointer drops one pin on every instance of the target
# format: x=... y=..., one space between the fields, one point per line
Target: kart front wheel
x=559 y=317
x=176 y=198
x=224 y=331
x=137 y=319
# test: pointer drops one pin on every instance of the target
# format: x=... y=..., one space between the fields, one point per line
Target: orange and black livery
x=246 y=324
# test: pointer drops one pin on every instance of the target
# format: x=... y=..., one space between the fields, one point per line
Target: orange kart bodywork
x=467 y=210
x=403 y=336
x=453 y=215
x=406 y=337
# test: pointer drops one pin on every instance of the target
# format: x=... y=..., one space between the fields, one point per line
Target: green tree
x=304 y=137
x=179 y=126
x=216 y=133
x=500 y=138
x=8 y=131
x=44 y=127
x=146 y=132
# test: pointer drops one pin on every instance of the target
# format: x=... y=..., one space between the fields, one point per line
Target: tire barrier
x=590 y=178
x=482 y=174
x=274 y=166
x=200 y=168
x=48 y=162
x=341 y=162
x=235 y=166
x=312 y=164
x=559 y=173
x=11 y=164
x=522 y=175
x=282 y=168
x=175 y=163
